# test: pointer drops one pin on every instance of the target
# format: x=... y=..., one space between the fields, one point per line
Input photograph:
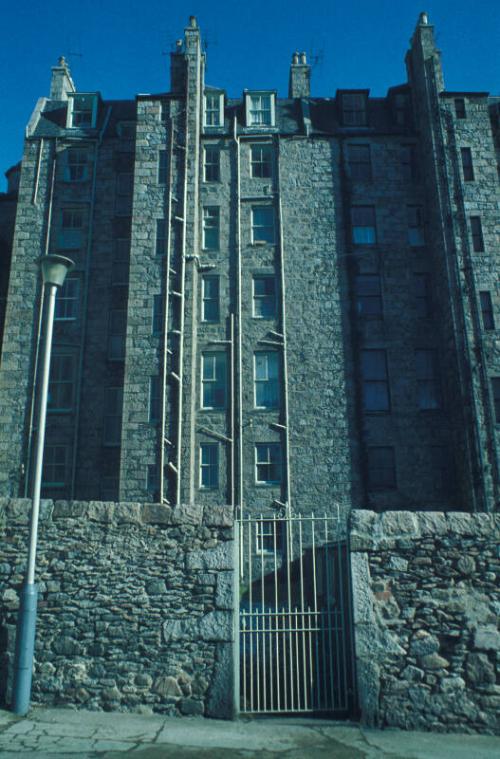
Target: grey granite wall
x=426 y=606
x=135 y=605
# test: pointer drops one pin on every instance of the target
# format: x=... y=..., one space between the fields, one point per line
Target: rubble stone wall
x=426 y=607
x=135 y=607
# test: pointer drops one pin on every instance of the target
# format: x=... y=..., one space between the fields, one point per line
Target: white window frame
x=211 y=164
x=48 y=461
x=67 y=302
x=265 y=159
x=207 y=298
x=211 y=221
x=271 y=364
x=77 y=170
x=251 y=110
x=258 y=298
x=267 y=449
x=72 y=96
x=59 y=380
x=214 y=379
x=256 y=239
x=217 y=111
x=211 y=466
x=266 y=536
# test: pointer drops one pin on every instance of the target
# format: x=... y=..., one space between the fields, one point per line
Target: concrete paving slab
x=61 y=733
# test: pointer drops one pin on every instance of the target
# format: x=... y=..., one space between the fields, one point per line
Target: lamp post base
x=25 y=647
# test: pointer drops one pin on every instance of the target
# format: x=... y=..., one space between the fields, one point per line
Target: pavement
x=59 y=733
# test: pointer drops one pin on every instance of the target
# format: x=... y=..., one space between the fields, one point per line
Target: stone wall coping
x=372 y=531
x=18 y=510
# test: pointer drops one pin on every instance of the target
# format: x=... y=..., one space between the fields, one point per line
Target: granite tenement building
x=275 y=301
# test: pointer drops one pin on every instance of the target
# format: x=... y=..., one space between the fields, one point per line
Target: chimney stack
x=299 y=84
x=61 y=82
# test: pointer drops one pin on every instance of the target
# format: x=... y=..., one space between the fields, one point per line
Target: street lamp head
x=54 y=268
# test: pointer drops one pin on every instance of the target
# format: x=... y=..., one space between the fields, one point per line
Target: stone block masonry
x=135 y=605
x=426 y=606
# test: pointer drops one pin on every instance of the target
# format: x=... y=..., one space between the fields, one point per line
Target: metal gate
x=296 y=653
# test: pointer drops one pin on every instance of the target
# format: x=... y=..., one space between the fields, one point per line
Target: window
x=161 y=237
x=82 y=111
x=264 y=297
x=495 y=386
x=360 y=167
x=212 y=164
x=211 y=228
x=381 y=468
x=487 y=310
x=125 y=130
x=375 y=380
x=113 y=402
x=460 y=108
x=261 y=161
x=119 y=266
x=209 y=465
x=260 y=109
x=55 y=466
x=364 y=230
x=213 y=380
x=76 y=169
x=422 y=293
x=157 y=318
x=162 y=167
x=268 y=463
x=401 y=109
x=415 y=218
x=152 y=480
x=262 y=224
x=210 y=299
x=409 y=164
x=67 y=300
x=70 y=234
x=266 y=536
x=116 y=334
x=368 y=296
x=428 y=394
x=439 y=458
x=214 y=106
x=467 y=166
x=477 y=234
x=123 y=195
x=154 y=399
x=61 y=382
x=266 y=379
x=354 y=109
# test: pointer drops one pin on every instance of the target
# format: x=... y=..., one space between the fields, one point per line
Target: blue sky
x=121 y=47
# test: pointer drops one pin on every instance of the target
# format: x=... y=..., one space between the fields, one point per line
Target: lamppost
x=54 y=269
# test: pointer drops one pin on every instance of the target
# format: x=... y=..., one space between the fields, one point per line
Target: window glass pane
x=428 y=393
x=61 y=382
x=363 y=225
x=262 y=224
x=261 y=160
x=368 y=296
x=211 y=228
x=381 y=468
x=375 y=380
x=268 y=462
x=487 y=310
x=266 y=379
x=360 y=162
x=67 y=300
x=212 y=164
x=264 y=297
x=214 y=380
x=210 y=299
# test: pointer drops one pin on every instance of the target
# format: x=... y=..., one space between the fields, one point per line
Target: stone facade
x=377 y=349
x=135 y=608
x=426 y=604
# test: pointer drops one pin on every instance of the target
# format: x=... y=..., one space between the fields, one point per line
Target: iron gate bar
x=294 y=615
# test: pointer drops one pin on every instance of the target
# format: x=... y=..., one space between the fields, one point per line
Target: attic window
x=82 y=111
x=354 y=109
x=260 y=109
x=214 y=109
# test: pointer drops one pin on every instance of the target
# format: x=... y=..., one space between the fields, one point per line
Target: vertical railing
x=294 y=616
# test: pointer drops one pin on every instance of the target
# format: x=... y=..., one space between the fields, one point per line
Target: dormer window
x=82 y=110
x=354 y=108
x=260 y=109
x=214 y=109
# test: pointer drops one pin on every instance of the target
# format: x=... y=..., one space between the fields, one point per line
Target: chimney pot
x=295 y=58
x=424 y=18
x=192 y=22
x=303 y=58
